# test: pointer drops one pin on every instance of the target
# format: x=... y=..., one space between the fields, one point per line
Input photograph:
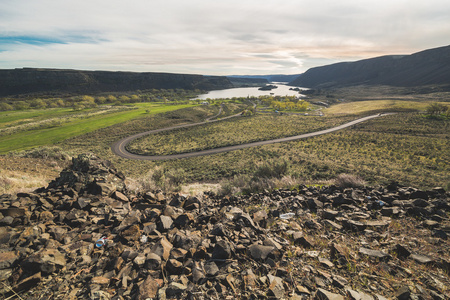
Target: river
x=282 y=90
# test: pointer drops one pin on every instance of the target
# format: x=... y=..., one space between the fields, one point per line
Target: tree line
x=89 y=101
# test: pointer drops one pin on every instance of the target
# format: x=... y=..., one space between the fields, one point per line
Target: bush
x=437 y=109
x=348 y=180
x=168 y=180
x=272 y=169
x=54 y=153
x=5 y=106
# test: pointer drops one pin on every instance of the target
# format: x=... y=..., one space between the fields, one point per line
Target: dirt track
x=119 y=149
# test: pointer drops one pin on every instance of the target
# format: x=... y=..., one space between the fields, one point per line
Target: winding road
x=119 y=147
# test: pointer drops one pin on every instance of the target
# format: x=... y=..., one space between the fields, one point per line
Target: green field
x=53 y=133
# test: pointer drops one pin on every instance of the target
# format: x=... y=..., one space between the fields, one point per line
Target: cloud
x=214 y=37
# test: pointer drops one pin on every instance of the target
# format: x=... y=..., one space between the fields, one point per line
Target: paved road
x=119 y=147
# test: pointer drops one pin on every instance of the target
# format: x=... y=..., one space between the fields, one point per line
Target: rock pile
x=308 y=243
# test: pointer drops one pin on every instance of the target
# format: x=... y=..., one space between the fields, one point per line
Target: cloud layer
x=214 y=37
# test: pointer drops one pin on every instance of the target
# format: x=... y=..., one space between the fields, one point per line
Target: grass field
x=65 y=127
x=359 y=107
x=231 y=132
x=406 y=147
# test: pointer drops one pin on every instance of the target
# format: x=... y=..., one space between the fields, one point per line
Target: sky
x=227 y=37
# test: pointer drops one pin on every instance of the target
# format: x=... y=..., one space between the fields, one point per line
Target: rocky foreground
x=309 y=243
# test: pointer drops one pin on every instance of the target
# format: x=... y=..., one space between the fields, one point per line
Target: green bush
x=54 y=153
x=272 y=169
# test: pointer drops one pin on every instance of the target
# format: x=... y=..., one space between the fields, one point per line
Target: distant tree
x=124 y=99
x=38 y=103
x=135 y=98
x=5 y=106
x=88 y=101
x=436 y=109
x=78 y=106
x=111 y=98
x=21 y=105
x=100 y=100
x=60 y=102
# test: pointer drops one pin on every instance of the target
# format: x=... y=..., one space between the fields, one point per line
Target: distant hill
x=268 y=78
x=247 y=82
x=429 y=67
x=30 y=80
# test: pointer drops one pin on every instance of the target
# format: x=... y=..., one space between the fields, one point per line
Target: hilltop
x=429 y=67
x=30 y=80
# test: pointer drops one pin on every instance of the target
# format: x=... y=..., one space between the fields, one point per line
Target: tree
x=20 y=105
x=135 y=98
x=101 y=100
x=124 y=99
x=38 y=103
x=111 y=99
x=5 y=106
x=436 y=109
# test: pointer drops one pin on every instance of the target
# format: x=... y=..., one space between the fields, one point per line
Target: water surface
x=282 y=90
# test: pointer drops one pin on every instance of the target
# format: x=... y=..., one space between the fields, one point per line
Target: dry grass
x=359 y=107
x=349 y=180
x=20 y=174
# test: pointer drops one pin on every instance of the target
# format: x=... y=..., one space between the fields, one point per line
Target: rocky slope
x=29 y=80
x=308 y=243
x=429 y=67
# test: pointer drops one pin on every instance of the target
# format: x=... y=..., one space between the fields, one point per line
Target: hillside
x=429 y=67
x=268 y=78
x=29 y=80
x=86 y=236
x=247 y=82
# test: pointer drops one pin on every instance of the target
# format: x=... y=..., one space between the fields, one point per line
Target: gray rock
x=148 y=289
x=260 y=252
x=276 y=287
x=162 y=248
x=374 y=253
x=322 y=294
x=329 y=214
x=353 y=225
x=402 y=251
x=153 y=261
x=222 y=250
x=174 y=267
x=165 y=223
x=174 y=289
x=421 y=259
x=211 y=268
x=390 y=211
x=46 y=261
x=403 y=293
x=8 y=259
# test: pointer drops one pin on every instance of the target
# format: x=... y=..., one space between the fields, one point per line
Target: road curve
x=119 y=147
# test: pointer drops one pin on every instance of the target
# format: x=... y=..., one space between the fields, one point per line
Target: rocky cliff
x=86 y=236
x=429 y=67
x=28 y=80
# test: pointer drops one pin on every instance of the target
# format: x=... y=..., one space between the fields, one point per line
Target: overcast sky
x=214 y=37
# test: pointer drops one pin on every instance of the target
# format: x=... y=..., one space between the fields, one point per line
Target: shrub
x=5 y=106
x=437 y=109
x=348 y=180
x=168 y=180
x=272 y=169
x=54 y=153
